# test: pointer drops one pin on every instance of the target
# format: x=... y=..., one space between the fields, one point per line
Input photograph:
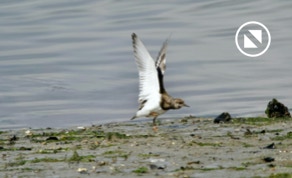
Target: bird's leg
x=154 y=124
x=154 y=121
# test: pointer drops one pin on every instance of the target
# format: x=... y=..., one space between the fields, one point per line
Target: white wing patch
x=149 y=84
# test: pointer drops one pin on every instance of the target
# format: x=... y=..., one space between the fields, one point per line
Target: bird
x=153 y=97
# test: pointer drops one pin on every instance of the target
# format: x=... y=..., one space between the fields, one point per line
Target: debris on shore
x=275 y=109
x=223 y=118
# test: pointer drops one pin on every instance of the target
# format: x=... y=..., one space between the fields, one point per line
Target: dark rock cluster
x=224 y=117
x=275 y=109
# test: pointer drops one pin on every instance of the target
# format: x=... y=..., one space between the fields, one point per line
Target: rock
x=52 y=138
x=270 y=146
x=224 y=117
x=22 y=148
x=81 y=128
x=269 y=159
x=154 y=166
x=194 y=162
x=13 y=138
x=82 y=170
x=28 y=133
x=157 y=163
x=275 y=109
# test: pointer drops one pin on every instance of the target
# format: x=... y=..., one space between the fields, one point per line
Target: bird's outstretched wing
x=161 y=58
x=160 y=65
x=149 y=84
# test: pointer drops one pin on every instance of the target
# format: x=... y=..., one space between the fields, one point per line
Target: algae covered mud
x=185 y=147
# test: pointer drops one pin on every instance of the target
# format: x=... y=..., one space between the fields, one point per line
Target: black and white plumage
x=153 y=98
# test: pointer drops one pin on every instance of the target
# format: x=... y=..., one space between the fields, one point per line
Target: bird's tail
x=133 y=117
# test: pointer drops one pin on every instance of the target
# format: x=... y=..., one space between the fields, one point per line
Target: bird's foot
x=155 y=128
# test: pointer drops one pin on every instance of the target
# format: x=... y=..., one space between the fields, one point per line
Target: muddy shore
x=182 y=147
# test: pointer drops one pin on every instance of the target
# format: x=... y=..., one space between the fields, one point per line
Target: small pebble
x=52 y=138
x=269 y=159
x=270 y=146
x=82 y=170
x=153 y=166
x=81 y=128
x=28 y=133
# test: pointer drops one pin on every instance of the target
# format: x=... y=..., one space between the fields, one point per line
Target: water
x=70 y=63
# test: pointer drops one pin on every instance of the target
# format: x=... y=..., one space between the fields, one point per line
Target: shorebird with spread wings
x=153 y=98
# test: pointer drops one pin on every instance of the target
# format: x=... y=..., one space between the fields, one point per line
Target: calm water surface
x=70 y=62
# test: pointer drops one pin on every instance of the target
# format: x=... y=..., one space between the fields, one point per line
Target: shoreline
x=182 y=147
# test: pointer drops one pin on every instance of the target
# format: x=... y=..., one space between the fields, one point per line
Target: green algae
x=46 y=159
x=22 y=148
x=141 y=170
x=281 y=175
x=259 y=121
x=284 y=137
x=77 y=158
x=116 y=153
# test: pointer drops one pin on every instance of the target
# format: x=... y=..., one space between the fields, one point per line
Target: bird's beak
x=185 y=105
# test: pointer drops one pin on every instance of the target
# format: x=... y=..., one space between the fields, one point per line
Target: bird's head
x=178 y=103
